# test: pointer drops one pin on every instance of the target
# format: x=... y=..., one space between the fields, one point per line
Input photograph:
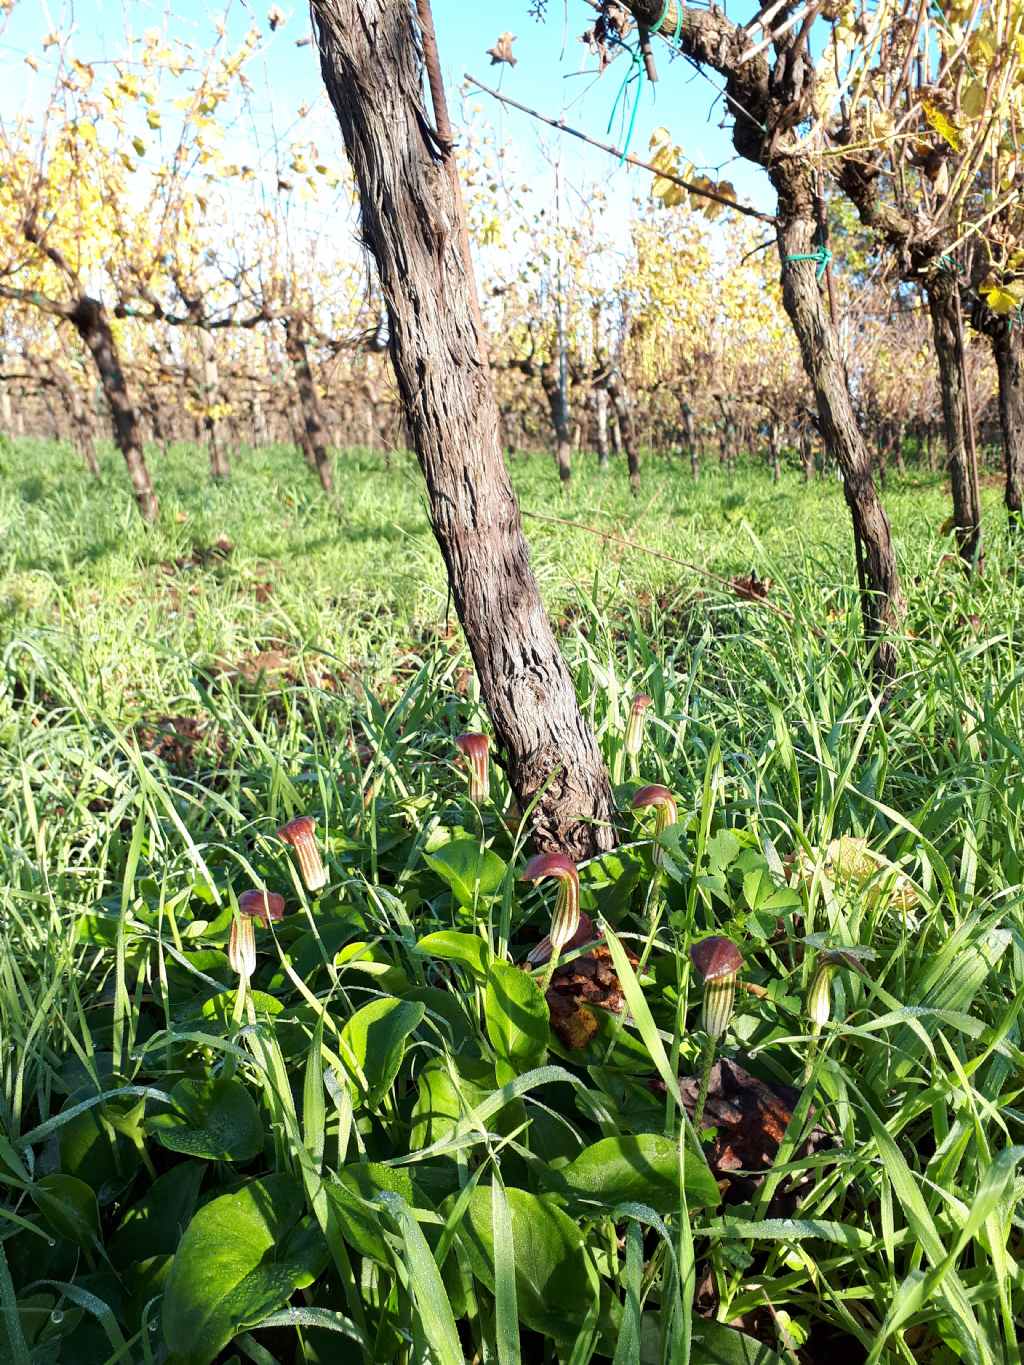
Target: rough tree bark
x=806 y=453
x=947 y=331
x=90 y=320
x=690 y=437
x=764 y=101
x=411 y=222
x=882 y=604
x=775 y=449
x=561 y=419
x=624 y=417
x=599 y=398
x=314 y=429
x=219 y=466
x=78 y=418
x=1008 y=348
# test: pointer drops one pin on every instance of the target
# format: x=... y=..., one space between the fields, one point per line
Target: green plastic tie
x=948 y=263
x=637 y=72
x=820 y=254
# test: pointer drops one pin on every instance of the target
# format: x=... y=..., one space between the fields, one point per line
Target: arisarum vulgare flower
x=541 y=952
x=262 y=905
x=242 y=947
x=300 y=834
x=665 y=812
x=565 y=919
x=633 y=740
x=475 y=750
x=252 y=905
x=819 y=993
x=717 y=961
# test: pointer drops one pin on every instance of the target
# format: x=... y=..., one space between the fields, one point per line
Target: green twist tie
x=637 y=72
x=820 y=254
x=947 y=263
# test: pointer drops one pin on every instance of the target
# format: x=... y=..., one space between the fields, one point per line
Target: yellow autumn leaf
x=1003 y=299
x=153 y=118
x=139 y=145
x=86 y=133
x=973 y=101
x=941 y=123
x=668 y=192
x=664 y=159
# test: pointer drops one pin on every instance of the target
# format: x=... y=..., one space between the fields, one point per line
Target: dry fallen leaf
x=502 y=50
x=751 y=588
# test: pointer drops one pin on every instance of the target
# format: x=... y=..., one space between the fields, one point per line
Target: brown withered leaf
x=182 y=742
x=750 y=1117
x=502 y=50
x=750 y=587
x=589 y=980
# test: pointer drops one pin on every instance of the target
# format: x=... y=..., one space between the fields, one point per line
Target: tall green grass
x=122 y=861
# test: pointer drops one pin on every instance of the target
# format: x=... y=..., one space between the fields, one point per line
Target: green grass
x=420 y=1130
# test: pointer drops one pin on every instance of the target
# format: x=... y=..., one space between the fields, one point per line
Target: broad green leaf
x=716 y=1344
x=722 y=849
x=469 y=949
x=644 y=1169
x=154 y=1225
x=440 y=1104
x=91 y=1152
x=555 y=1280
x=213 y=1119
x=516 y=1015
x=69 y=1207
x=373 y=1044
x=361 y=1183
x=757 y=887
x=469 y=870
x=241 y=1258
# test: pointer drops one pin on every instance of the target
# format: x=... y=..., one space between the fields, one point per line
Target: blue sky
x=555 y=74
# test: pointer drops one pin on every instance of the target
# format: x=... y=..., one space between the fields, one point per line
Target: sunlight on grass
x=428 y=1163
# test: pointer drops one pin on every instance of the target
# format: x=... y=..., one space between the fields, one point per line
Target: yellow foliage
x=942 y=124
x=1003 y=299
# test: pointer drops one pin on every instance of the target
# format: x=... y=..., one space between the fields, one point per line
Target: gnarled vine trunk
x=220 y=469
x=313 y=431
x=881 y=599
x=78 y=418
x=624 y=416
x=947 y=331
x=411 y=222
x=561 y=419
x=90 y=321
x=1008 y=348
x=599 y=398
